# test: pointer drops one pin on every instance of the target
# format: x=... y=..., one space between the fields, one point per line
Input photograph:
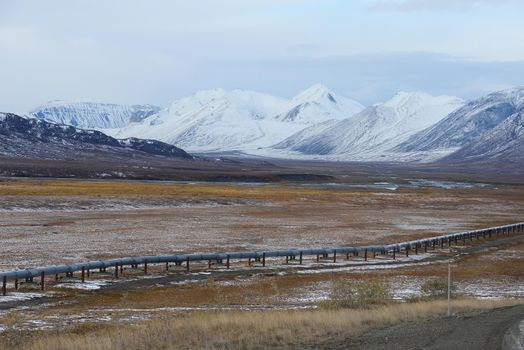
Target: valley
x=66 y=221
x=226 y=174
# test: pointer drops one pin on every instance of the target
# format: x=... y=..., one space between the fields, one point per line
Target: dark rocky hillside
x=22 y=137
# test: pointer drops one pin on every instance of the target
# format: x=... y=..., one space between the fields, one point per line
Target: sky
x=154 y=51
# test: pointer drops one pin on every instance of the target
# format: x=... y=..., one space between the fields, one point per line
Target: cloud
x=131 y=51
x=418 y=5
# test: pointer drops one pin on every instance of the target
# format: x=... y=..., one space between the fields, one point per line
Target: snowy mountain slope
x=376 y=129
x=467 y=123
x=220 y=120
x=92 y=115
x=26 y=137
x=316 y=105
x=306 y=140
x=505 y=143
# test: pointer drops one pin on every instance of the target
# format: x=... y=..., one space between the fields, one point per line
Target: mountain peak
x=515 y=95
x=513 y=90
x=414 y=98
x=402 y=97
x=315 y=92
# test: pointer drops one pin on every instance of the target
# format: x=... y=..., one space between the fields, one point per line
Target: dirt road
x=483 y=330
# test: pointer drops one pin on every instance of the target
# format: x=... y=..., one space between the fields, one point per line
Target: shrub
x=356 y=294
x=436 y=287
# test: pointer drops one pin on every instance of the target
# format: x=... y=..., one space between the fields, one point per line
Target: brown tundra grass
x=250 y=330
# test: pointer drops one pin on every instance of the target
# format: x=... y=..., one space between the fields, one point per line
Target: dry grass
x=249 y=330
x=117 y=188
x=277 y=192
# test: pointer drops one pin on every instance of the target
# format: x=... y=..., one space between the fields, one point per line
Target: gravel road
x=481 y=330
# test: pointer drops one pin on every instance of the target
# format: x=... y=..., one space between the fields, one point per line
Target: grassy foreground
x=248 y=330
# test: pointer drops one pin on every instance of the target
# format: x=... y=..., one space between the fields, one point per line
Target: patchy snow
x=492 y=289
x=87 y=285
x=21 y=296
x=405 y=287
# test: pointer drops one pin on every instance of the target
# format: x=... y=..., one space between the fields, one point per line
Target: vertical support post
x=300 y=258
x=187 y=264
x=416 y=248
x=56 y=277
x=374 y=254
x=227 y=261
x=366 y=255
x=263 y=259
x=145 y=267
x=4 y=286
x=16 y=283
x=116 y=271
x=249 y=262
x=334 y=255
x=425 y=247
x=121 y=269
x=449 y=289
x=42 y=280
x=88 y=273
x=287 y=260
x=318 y=257
x=407 y=250
x=209 y=264
x=83 y=274
x=394 y=253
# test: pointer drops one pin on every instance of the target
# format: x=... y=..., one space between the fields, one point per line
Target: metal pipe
x=178 y=259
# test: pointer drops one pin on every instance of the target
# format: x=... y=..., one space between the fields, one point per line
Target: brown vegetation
x=248 y=330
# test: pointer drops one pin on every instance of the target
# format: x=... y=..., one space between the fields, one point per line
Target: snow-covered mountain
x=466 y=124
x=505 y=143
x=316 y=123
x=372 y=132
x=92 y=115
x=220 y=120
x=317 y=105
x=27 y=137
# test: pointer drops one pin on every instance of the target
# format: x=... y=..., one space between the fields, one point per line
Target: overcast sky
x=155 y=51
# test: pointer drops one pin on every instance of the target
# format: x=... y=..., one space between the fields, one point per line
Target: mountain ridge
x=239 y=120
x=376 y=129
x=92 y=115
x=467 y=123
x=28 y=137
